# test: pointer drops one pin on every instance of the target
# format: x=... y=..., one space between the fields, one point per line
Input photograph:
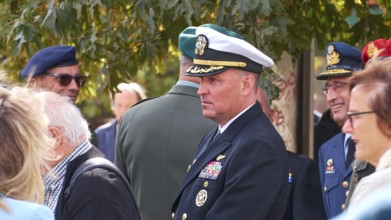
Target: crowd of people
x=204 y=150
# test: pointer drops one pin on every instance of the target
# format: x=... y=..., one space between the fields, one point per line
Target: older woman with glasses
x=369 y=122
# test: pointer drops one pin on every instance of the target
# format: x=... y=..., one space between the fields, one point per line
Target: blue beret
x=218 y=49
x=50 y=57
x=342 y=60
x=186 y=42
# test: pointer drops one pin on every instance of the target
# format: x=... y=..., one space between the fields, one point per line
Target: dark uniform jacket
x=240 y=175
x=334 y=175
x=325 y=129
x=96 y=194
x=305 y=193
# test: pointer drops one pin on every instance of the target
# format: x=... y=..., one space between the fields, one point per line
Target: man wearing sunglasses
x=336 y=154
x=56 y=69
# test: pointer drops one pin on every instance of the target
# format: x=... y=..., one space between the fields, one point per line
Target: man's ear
x=55 y=132
x=247 y=83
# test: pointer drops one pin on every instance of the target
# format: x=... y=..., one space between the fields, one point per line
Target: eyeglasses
x=354 y=115
x=337 y=87
x=66 y=79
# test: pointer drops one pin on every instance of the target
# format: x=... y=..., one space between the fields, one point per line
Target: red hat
x=381 y=47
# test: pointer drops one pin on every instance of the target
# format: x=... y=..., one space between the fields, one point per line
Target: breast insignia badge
x=201 y=197
x=330 y=167
x=220 y=157
x=290 y=177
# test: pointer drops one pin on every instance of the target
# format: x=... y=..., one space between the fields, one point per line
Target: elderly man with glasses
x=336 y=154
x=56 y=69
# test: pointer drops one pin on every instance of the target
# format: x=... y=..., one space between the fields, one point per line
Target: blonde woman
x=25 y=146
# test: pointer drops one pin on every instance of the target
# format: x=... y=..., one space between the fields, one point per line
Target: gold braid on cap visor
x=337 y=71
x=198 y=70
x=219 y=63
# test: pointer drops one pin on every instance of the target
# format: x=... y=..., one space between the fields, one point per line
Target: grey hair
x=129 y=87
x=62 y=113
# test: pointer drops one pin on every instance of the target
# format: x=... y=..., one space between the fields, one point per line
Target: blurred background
x=136 y=41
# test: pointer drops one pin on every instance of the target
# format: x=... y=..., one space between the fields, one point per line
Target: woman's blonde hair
x=25 y=145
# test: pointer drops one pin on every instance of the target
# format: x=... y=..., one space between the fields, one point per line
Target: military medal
x=201 y=197
x=290 y=177
x=330 y=167
x=211 y=171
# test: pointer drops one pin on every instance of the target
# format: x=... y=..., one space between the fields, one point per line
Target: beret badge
x=201 y=43
x=372 y=50
x=332 y=56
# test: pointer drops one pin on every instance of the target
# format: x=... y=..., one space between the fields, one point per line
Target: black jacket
x=239 y=175
x=96 y=194
x=305 y=192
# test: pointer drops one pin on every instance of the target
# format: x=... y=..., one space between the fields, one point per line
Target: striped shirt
x=54 y=180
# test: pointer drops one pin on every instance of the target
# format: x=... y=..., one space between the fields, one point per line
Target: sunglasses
x=66 y=79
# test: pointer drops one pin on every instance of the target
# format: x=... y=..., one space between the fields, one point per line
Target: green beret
x=186 y=42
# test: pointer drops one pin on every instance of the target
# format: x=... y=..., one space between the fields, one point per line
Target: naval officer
x=240 y=167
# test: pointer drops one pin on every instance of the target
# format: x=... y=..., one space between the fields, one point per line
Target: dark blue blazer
x=240 y=175
x=334 y=175
x=305 y=193
x=106 y=139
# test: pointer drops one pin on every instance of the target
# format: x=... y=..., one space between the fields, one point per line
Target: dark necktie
x=213 y=139
x=350 y=154
x=216 y=135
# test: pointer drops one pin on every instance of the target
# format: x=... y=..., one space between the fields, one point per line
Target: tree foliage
x=120 y=40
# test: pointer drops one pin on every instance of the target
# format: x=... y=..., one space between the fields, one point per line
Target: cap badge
x=372 y=50
x=201 y=197
x=332 y=56
x=200 y=44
